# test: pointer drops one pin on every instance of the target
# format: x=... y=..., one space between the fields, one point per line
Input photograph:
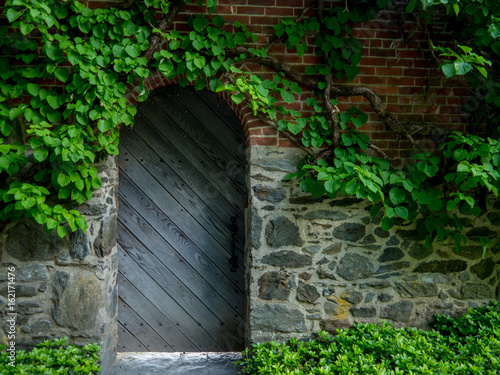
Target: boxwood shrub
x=466 y=345
x=53 y=357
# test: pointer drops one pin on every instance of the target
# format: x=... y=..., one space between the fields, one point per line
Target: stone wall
x=324 y=264
x=66 y=287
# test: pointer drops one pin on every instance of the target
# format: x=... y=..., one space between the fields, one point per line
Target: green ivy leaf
x=387 y=223
x=53 y=101
x=62 y=74
x=402 y=212
x=397 y=196
x=40 y=154
x=62 y=231
x=13 y=15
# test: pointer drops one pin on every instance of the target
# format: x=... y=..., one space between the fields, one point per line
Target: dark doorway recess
x=181 y=196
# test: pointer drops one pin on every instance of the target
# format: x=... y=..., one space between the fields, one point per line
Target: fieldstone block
x=332 y=325
x=385 y=297
x=37 y=327
x=313 y=249
x=287 y=258
x=399 y=311
x=93 y=209
x=393 y=241
x=352 y=296
x=419 y=251
x=363 y=312
x=346 y=202
x=476 y=291
x=78 y=299
x=113 y=302
x=325 y=273
x=392 y=267
x=22 y=290
x=481 y=232
x=256 y=229
x=282 y=232
x=305 y=276
x=349 y=232
x=375 y=285
x=325 y=214
x=277 y=318
x=268 y=193
x=28 y=241
x=471 y=252
x=391 y=254
x=381 y=233
x=308 y=199
x=33 y=272
x=307 y=293
x=410 y=235
x=78 y=245
x=442 y=266
x=275 y=285
x=413 y=289
x=106 y=238
x=333 y=249
x=355 y=266
x=484 y=269
x=332 y=307
x=369 y=240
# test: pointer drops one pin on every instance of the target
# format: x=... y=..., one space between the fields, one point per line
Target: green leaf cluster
x=53 y=357
x=93 y=54
x=466 y=345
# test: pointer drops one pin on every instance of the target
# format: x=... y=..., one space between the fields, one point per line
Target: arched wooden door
x=181 y=189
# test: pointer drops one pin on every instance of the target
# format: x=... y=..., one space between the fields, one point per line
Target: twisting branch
x=404 y=129
x=175 y=7
x=269 y=122
x=379 y=150
x=331 y=113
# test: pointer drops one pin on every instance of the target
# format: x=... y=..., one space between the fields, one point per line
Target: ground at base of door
x=211 y=363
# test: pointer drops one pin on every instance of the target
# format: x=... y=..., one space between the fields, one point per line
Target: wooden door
x=181 y=190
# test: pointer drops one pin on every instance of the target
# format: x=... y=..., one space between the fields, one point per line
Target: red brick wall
x=403 y=73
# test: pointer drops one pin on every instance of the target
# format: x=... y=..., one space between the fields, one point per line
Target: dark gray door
x=181 y=189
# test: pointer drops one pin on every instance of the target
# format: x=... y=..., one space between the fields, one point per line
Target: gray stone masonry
x=66 y=287
x=316 y=263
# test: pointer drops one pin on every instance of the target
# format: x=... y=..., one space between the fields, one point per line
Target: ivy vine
x=66 y=69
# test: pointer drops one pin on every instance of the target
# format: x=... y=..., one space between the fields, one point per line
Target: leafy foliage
x=53 y=357
x=95 y=55
x=467 y=345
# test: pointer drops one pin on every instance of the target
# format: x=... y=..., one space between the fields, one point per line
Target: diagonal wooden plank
x=215 y=114
x=202 y=234
x=160 y=157
x=223 y=172
x=141 y=330
x=177 y=277
x=127 y=342
x=163 y=302
x=207 y=139
x=180 y=247
x=154 y=317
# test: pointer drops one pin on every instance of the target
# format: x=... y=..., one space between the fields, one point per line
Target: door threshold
x=177 y=363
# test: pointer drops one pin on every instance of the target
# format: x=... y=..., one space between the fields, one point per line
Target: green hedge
x=53 y=357
x=467 y=345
